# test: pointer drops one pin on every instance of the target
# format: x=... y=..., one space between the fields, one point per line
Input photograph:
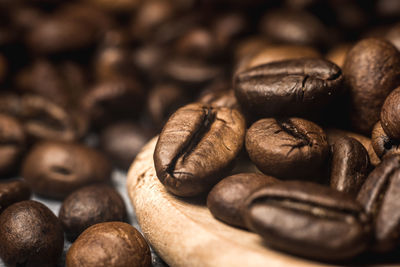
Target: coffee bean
x=122 y=142
x=109 y=244
x=290 y=148
x=197 y=146
x=12 y=144
x=349 y=166
x=390 y=118
x=114 y=99
x=382 y=143
x=291 y=87
x=379 y=196
x=249 y=46
x=12 y=192
x=60 y=34
x=122 y=6
x=90 y=205
x=294 y=27
x=371 y=71
x=309 y=220
x=30 y=235
x=227 y=198
x=197 y=42
x=55 y=169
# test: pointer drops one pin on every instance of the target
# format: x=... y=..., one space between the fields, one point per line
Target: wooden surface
x=184 y=233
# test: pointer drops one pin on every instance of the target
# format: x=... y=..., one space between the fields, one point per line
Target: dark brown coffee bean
x=12 y=192
x=43 y=119
x=290 y=87
x=335 y=134
x=227 y=198
x=30 y=235
x=12 y=144
x=197 y=42
x=56 y=169
x=88 y=206
x=382 y=143
x=291 y=148
x=293 y=26
x=110 y=100
x=349 y=166
x=197 y=146
x=309 y=220
x=273 y=53
x=163 y=100
x=109 y=244
x=122 y=142
x=379 y=195
x=60 y=34
x=371 y=71
x=390 y=117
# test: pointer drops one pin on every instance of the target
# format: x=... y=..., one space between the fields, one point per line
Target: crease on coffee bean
x=288 y=127
x=187 y=149
x=60 y=169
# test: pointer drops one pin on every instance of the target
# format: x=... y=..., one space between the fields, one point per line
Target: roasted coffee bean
x=338 y=54
x=109 y=244
x=122 y=142
x=163 y=100
x=379 y=195
x=30 y=235
x=248 y=47
x=197 y=146
x=390 y=117
x=273 y=53
x=56 y=169
x=290 y=87
x=110 y=100
x=12 y=192
x=349 y=166
x=382 y=143
x=12 y=144
x=294 y=27
x=60 y=34
x=309 y=220
x=290 y=148
x=371 y=71
x=197 y=42
x=43 y=119
x=227 y=28
x=88 y=206
x=227 y=198
x=335 y=134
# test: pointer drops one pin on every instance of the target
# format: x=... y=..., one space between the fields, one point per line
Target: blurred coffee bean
x=163 y=100
x=371 y=71
x=12 y=144
x=25 y=17
x=379 y=196
x=274 y=53
x=109 y=244
x=61 y=84
x=55 y=169
x=30 y=235
x=290 y=87
x=336 y=134
x=309 y=220
x=149 y=59
x=390 y=117
x=291 y=148
x=247 y=47
x=293 y=27
x=388 y=8
x=228 y=27
x=12 y=192
x=90 y=205
x=197 y=147
x=393 y=35
x=119 y=6
x=198 y=42
x=349 y=165
x=43 y=119
x=122 y=142
x=382 y=143
x=60 y=34
x=338 y=54
x=111 y=100
x=227 y=198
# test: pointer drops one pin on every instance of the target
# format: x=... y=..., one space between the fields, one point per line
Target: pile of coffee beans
x=248 y=96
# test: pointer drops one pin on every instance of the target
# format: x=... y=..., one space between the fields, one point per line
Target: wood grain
x=184 y=233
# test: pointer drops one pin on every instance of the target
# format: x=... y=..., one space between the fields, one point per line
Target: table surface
x=119 y=181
